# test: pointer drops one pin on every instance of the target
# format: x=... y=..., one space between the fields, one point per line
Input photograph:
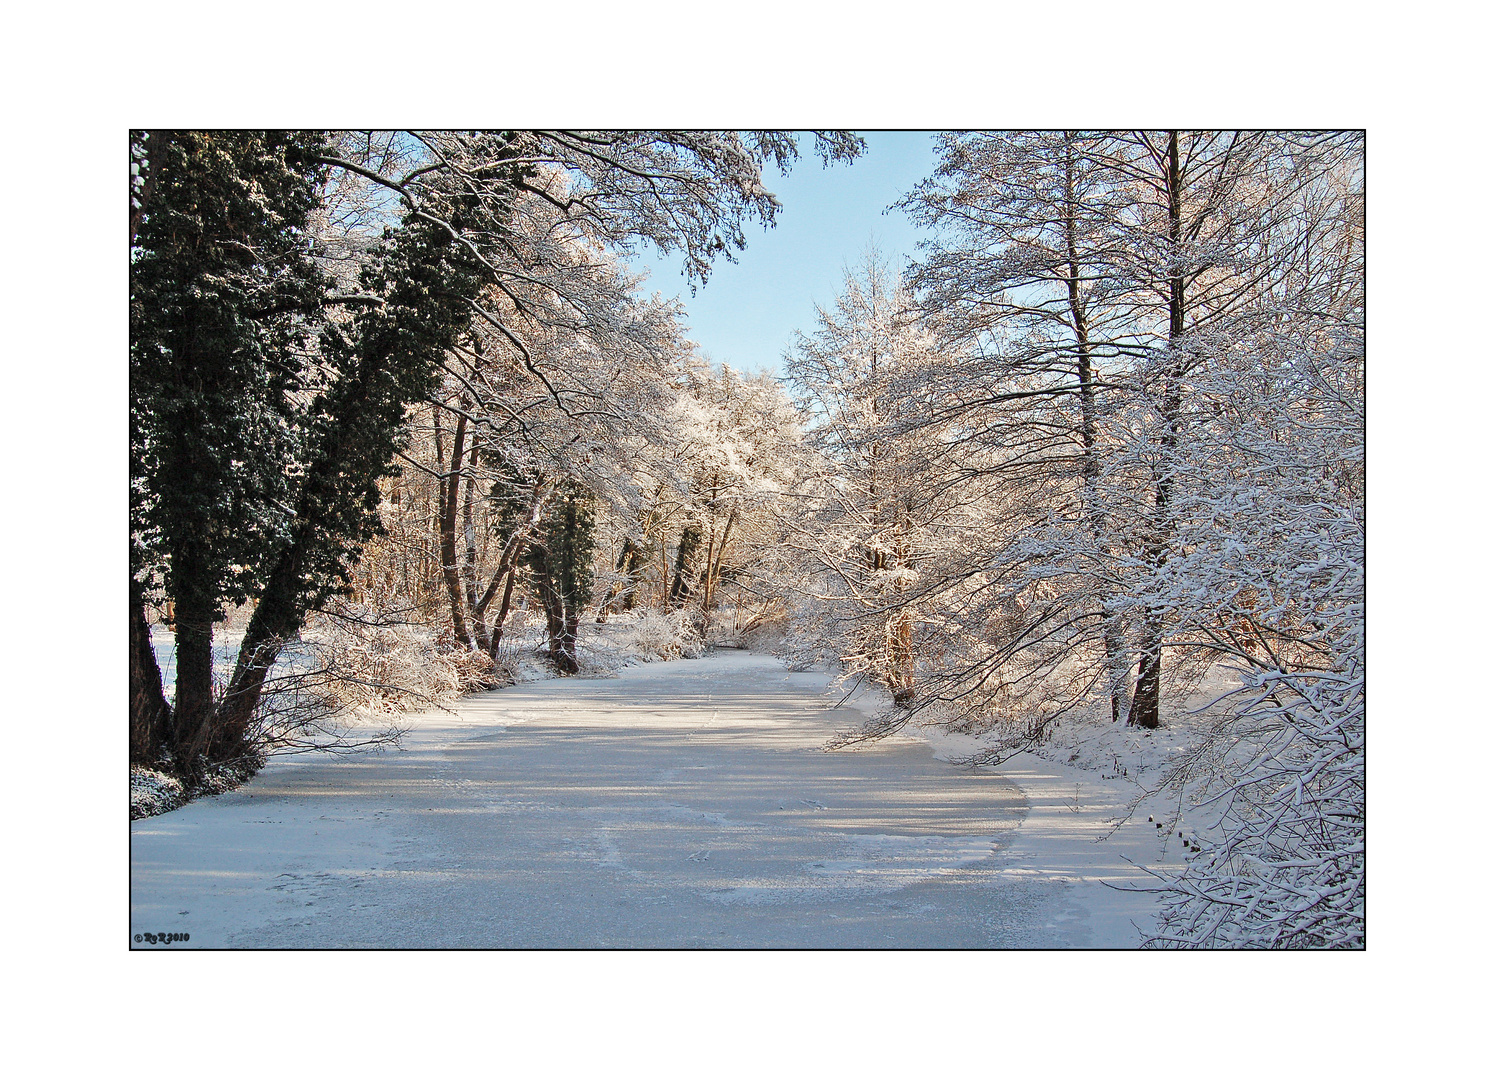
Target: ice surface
x=684 y=804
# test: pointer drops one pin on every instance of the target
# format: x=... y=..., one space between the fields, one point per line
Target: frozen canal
x=686 y=804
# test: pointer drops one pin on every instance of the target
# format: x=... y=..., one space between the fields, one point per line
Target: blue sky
x=746 y=313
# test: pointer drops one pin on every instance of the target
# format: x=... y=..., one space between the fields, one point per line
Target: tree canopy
x=293 y=295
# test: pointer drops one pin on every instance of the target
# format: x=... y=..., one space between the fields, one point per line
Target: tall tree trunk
x=192 y=714
x=1146 y=701
x=503 y=611
x=1117 y=665
x=900 y=636
x=277 y=619
x=632 y=572
x=488 y=639
x=570 y=626
x=901 y=656
x=448 y=510
x=470 y=553
x=555 y=614
x=150 y=715
x=508 y=569
x=714 y=567
x=622 y=595
x=391 y=368
x=705 y=579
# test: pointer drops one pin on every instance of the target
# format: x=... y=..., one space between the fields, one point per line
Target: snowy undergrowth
x=637 y=638
x=155 y=792
x=1244 y=810
x=1133 y=765
x=1084 y=737
x=1088 y=739
x=354 y=680
x=602 y=649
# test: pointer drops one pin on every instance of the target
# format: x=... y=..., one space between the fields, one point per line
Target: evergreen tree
x=257 y=458
x=562 y=563
x=223 y=294
x=685 y=553
x=385 y=360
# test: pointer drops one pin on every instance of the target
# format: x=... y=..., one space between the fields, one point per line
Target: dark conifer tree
x=384 y=360
x=223 y=296
x=685 y=553
x=562 y=563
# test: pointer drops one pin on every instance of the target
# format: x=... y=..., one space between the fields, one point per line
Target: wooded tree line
x=1107 y=431
x=302 y=303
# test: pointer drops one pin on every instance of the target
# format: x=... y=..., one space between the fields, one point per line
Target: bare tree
x=871 y=503
x=1088 y=276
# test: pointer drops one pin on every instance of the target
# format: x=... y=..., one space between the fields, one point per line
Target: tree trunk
x=448 y=510
x=508 y=569
x=277 y=619
x=714 y=568
x=392 y=368
x=568 y=661
x=192 y=714
x=664 y=572
x=690 y=540
x=555 y=614
x=1117 y=665
x=900 y=635
x=1120 y=665
x=470 y=551
x=901 y=657
x=622 y=596
x=1146 y=702
x=503 y=611
x=705 y=579
x=150 y=715
x=633 y=571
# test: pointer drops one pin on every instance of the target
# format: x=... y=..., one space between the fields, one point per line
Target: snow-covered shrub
x=601 y=651
x=1270 y=571
x=637 y=637
x=1284 y=866
x=153 y=792
x=657 y=635
x=344 y=684
x=764 y=630
x=508 y=664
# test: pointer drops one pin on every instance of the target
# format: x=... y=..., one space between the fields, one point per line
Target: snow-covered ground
x=1098 y=823
x=687 y=803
